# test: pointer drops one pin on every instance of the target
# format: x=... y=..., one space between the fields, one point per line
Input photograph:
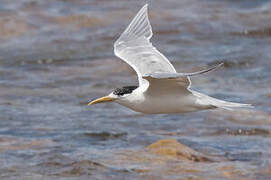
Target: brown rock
x=171 y=148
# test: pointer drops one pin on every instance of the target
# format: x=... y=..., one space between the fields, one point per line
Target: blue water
x=57 y=55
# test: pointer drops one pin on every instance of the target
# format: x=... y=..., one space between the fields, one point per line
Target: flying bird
x=161 y=89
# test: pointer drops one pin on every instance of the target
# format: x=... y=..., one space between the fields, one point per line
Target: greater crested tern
x=161 y=89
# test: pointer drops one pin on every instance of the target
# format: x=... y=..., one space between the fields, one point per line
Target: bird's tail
x=207 y=100
x=228 y=105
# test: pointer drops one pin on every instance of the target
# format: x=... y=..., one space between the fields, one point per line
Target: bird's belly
x=167 y=105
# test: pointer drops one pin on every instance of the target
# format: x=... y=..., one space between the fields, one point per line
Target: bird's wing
x=135 y=48
x=166 y=83
x=172 y=81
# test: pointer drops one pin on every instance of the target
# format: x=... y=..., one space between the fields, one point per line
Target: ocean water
x=55 y=56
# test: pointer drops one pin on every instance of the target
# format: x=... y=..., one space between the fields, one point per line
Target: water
x=57 y=55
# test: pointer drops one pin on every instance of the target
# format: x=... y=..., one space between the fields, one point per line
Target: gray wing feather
x=179 y=75
x=134 y=47
x=176 y=80
x=203 y=71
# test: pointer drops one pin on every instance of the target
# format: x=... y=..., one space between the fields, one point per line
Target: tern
x=161 y=89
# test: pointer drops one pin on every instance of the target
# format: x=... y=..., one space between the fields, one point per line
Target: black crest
x=124 y=90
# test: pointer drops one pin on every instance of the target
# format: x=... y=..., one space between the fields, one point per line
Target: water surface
x=57 y=55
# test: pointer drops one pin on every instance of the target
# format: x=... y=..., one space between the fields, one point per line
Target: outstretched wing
x=135 y=48
x=174 y=85
x=166 y=82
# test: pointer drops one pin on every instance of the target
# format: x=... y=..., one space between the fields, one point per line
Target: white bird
x=161 y=89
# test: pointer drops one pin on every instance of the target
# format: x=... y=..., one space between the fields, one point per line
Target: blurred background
x=56 y=55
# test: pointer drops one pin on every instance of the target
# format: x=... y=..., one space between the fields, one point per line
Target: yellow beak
x=100 y=100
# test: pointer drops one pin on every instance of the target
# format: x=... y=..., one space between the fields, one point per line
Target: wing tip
x=134 y=24
x=216 y=66
x=145 y=6
x=220 y=64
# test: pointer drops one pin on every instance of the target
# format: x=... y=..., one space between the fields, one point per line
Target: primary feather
x=134 y=47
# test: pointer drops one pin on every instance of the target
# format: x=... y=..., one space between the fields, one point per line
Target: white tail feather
x=207 y=100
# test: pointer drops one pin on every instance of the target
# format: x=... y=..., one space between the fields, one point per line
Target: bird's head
x=118 y=95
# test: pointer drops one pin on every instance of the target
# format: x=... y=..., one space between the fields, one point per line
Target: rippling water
x=57 y=55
